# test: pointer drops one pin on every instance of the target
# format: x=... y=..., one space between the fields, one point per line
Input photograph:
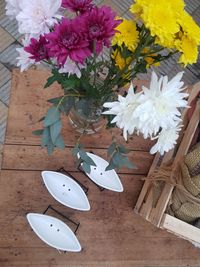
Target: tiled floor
x=9 y=41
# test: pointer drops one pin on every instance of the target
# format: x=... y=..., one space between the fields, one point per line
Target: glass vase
x=86 y=116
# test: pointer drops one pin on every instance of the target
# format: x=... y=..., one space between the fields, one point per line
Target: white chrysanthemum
x=71 y=67
x=124 y=109
x=24 y=62
x=13 y=7
x=166 y=140
x=159 y=106
x=36 y=17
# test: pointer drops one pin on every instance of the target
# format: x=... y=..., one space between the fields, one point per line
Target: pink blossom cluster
x=78 y=38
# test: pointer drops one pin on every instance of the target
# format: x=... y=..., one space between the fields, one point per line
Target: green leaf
x=45 y=137
x=116 y=158
x=123 y=149
x=60 y=142
x=52 y=116
x=55 y=130
x=50 y=81
x=75 y=151
x=86 y=167
x=38 y=132
x=55 y=100
x=111 y=149
x=111 y=166
x=50 y=147
x=126 y=162
x=86 y=158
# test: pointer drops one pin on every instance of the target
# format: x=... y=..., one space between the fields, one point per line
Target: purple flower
x=77 y=5
x=38 y=49
x=69 y=39
x=101 y=24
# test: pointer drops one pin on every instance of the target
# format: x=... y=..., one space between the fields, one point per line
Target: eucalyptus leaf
x=59 y=142
x=111 y=149
x=86 y=158
x=38 y=132
x=50 y=147
x=45 y=137
x=123 y=149
x=55 y=130
x=86 y=167
x=52 y=116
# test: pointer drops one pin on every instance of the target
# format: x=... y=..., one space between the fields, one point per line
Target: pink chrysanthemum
x=38 y=49
x=77 y=5
x=101 y=24
x=69 y=39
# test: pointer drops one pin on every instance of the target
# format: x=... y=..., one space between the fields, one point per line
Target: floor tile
x=5 y=92
x=5 y=39
x=9 y=55
x=5 y=75
x=3 y=119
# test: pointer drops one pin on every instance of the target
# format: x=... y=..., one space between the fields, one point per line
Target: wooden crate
x=156 y=212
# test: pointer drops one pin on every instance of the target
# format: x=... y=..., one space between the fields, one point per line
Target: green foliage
x=56 y=76
x=51 y=134
x=52 y=116
x=118 y=157
x=82 y=158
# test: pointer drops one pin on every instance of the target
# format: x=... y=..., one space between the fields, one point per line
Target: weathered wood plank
x=110 y=232
x=28 y=105
x=35 y=158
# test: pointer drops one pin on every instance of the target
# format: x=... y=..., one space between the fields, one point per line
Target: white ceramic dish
x=54 y=232
x=65 y=190
x=106 y=179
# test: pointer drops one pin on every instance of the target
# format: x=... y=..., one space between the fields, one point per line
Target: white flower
x=166 y=140
x=124 y=109
x=24 y=62
x=13 y=7
x=37 y=16
x=159 y=106
x=71 y=67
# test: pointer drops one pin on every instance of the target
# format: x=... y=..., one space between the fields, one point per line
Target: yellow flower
x=189 y=50
x=189 y=27
x=149 y=58
x=160 y=18
x=127 y=35
x=120 y=62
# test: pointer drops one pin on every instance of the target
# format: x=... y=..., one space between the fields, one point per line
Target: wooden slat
x=28 y=105
x=180 y=228
x=36 y=158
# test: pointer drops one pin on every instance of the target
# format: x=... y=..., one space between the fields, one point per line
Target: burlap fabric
x=185 y=202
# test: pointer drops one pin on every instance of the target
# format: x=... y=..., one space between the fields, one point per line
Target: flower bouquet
x=93 y=54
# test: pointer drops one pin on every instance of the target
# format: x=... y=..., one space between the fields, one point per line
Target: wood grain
x=110 y=231
x=35 y=158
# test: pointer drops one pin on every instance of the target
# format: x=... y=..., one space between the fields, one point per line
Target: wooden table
x=111 y=234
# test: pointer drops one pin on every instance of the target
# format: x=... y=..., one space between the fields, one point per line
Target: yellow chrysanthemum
x=189 y=50
x=160 y=18
x=120 y=62
x=189 y=27
x=127 y=35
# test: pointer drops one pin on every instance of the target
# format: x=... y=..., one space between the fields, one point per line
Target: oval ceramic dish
x=54 y=232
x=107 y=179
x=65 y=190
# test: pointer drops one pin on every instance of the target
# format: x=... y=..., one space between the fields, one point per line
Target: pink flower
x=38 y=49
x=101 y=24
x=77 y=5
x=69 y=39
